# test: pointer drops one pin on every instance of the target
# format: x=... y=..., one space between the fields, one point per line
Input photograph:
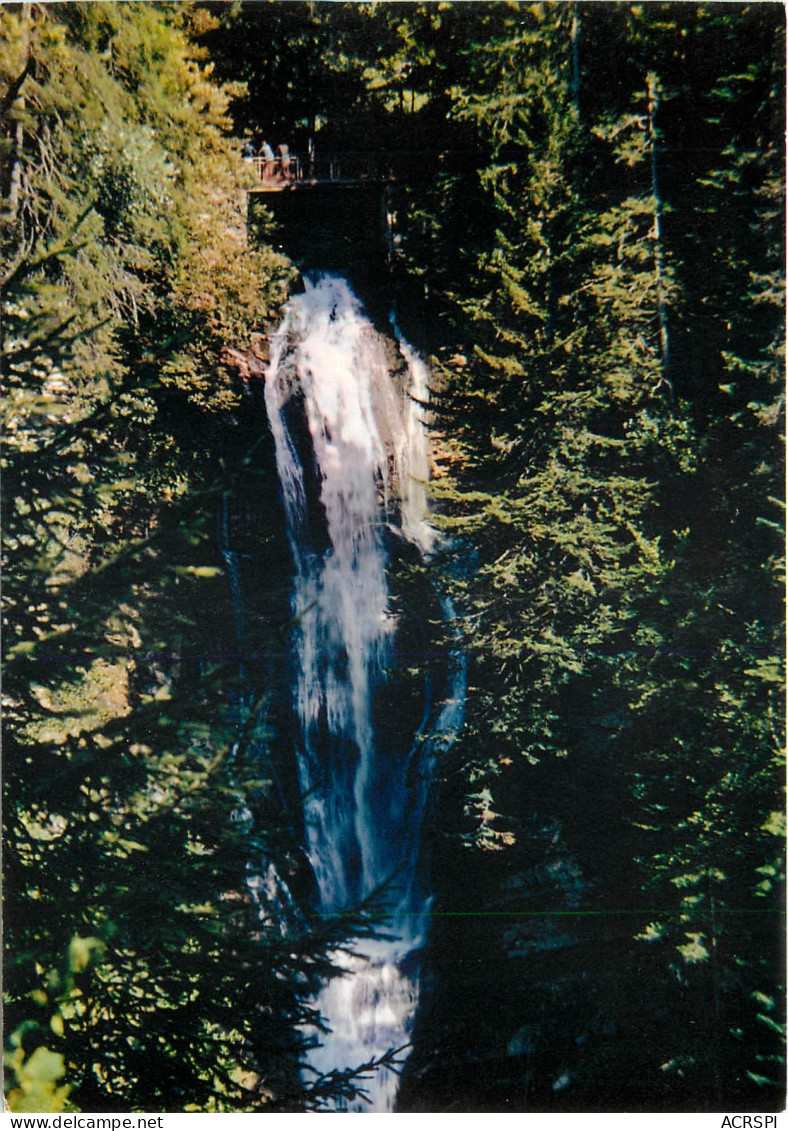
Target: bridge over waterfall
x=333 y=211
x=342 y=210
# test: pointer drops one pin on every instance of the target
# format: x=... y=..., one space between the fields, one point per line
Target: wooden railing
x=324 y=168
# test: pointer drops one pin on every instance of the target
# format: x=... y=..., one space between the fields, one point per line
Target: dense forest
x=587 y=216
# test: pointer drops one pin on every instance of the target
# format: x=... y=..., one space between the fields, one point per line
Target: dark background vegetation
x=590 y=248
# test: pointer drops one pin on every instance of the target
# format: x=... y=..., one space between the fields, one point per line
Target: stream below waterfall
x=376 y=698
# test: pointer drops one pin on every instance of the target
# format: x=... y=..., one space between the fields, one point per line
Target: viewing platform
x=307 y=171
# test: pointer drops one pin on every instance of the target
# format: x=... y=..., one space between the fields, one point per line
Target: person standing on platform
x=269 y=161
x=284 y=161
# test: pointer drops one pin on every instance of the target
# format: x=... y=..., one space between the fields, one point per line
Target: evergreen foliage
x=593 y=221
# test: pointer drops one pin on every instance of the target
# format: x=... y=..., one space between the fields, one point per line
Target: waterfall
x=351 y=453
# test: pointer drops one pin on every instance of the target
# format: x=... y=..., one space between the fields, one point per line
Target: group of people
x=274 y=165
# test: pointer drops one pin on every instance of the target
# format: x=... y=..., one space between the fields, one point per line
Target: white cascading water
x=349 y=442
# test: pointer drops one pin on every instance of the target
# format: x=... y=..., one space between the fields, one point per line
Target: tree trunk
x=18 y=100
x=659 y=262
x=576 y=56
